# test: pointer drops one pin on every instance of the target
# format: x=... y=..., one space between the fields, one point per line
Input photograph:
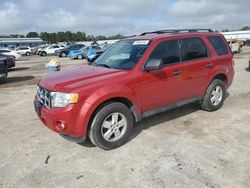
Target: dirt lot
x=186 y=147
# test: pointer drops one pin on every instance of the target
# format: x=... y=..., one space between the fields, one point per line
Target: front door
x=165 y=86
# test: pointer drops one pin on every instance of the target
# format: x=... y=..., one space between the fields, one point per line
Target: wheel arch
x=222 y=77
x=124 y=100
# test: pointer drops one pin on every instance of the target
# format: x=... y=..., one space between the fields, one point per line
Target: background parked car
x=39 y=49
x=95 y=51
x=23 y=50
x=76 y=54
x=6 y=51
x=3 y=69
x=9 y=59
x=65 y=51
x=235 y=45
x=51 y=50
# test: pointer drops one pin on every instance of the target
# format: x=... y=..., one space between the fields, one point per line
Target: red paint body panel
x=145 y=90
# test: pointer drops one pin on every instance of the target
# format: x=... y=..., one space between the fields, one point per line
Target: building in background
x=15 y=42
x=239 y=35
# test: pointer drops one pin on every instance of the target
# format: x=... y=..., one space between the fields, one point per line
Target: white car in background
x=51 y=50
x=7 y=51
x=23 y=50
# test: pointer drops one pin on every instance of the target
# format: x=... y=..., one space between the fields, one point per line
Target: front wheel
x=43 y=53
x=215 y=96
x=112 y=126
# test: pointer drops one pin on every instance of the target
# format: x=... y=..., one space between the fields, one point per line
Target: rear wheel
x=112 y=126
x=27 y=54
x=63 y=54
x=79 y=56
x=215 y=96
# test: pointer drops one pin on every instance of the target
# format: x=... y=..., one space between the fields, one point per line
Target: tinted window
x=194 y=48
x=167 y=51
x=56 y=47
x=219 y=45
x=23 y=48
x=4 y=51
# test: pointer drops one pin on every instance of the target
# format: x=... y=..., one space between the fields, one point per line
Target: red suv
x=136 y=78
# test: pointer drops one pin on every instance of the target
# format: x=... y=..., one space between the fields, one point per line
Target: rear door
x=196 y=57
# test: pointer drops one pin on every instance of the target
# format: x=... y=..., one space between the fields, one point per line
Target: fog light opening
x=60 y=126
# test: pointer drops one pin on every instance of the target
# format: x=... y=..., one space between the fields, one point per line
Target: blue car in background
x=76 y=54
x=90 y=53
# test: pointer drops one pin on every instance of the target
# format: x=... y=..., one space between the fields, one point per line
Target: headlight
x=63 y=99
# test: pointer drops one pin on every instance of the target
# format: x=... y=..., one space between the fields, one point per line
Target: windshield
x=123 y=55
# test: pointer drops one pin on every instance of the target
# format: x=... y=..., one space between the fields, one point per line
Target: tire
x=215 y=96
x=43 y=53
x=112 y=126
x=63 y=54
x=79 y=56
x=2 y=79
x=27 y=53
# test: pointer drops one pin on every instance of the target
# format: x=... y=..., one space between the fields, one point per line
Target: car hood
x=71 y=79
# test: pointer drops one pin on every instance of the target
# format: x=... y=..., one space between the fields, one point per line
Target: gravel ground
x=186 y=147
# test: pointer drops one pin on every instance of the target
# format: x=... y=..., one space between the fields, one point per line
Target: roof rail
x=178 y=31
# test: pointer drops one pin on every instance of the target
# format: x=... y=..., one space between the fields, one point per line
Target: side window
x=167 y=51
x=219 y=45
x=4 y=51
x=194 y=48
x=56 y=46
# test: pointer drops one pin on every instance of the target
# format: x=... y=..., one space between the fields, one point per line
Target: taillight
x=10 y=58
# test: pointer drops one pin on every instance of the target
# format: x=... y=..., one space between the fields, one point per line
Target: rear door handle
x=209 y=65
x=177 y=72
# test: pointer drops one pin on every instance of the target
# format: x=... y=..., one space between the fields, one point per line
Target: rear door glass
x=194 y=48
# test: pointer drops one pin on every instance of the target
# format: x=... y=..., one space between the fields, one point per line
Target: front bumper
x=54 y=118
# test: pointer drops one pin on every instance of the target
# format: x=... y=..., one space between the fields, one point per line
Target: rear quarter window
x=219 y=45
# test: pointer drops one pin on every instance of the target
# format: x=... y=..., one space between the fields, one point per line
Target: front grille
x=44 y=97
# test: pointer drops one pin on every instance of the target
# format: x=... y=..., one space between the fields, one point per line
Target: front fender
x=104 y=94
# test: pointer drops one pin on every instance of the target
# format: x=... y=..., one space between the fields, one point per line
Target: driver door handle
x=177 y=73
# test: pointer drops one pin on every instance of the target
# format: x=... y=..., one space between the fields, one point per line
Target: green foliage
x=245 y=28
x=69 y=36
x=32 y=34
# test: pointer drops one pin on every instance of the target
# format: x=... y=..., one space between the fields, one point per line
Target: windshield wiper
x=104 y=65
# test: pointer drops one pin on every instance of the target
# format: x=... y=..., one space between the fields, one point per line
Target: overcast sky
x=108 y=17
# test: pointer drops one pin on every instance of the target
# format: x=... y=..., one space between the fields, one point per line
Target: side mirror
x=153 y=64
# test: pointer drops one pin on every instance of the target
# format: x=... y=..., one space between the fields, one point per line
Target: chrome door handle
x=209 y=65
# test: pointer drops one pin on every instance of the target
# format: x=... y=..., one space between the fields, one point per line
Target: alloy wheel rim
x=216 y=95
x=113 y=127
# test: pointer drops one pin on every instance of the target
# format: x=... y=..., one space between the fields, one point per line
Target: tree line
x=67 y=36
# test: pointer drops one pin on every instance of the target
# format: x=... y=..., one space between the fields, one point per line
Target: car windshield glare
x=124 y=54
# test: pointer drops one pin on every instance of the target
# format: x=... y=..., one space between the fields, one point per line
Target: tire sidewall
x=208 y=96
x=101 y=116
